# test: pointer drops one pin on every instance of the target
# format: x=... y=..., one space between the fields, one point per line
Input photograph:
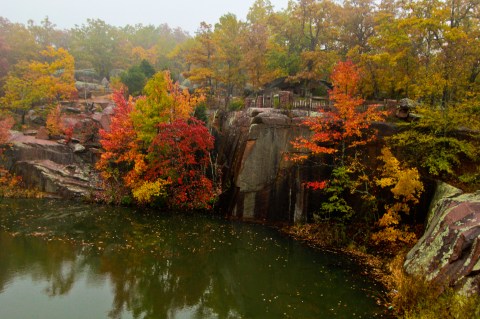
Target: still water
x=72 y=260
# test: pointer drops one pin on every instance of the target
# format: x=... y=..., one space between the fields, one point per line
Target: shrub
x=236 y=105
x=416 y=298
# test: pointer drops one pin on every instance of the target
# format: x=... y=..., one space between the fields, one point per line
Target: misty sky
x=186 y=14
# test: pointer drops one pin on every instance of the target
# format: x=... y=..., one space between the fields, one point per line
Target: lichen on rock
x=448 y=254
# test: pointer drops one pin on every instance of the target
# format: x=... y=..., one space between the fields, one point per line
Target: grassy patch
x=413 y=297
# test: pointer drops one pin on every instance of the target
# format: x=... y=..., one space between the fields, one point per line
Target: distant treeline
x=94 y=45
x=427 y=50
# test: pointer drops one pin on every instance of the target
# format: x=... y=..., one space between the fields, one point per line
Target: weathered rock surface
x=252 y=149
x=405 y=107
x=58 y=168
x=42 y=133
x=32 y=118
x=78 y=148
x=449 y=251
x=26 y=148
x=67 y=181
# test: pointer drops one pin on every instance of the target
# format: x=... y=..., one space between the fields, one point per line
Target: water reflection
x=141 y=265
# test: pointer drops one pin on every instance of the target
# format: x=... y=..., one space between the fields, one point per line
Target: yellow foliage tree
x=139 y=53
x=147 y=191
x=36 y=82
x=405 y=185
x=164 y=102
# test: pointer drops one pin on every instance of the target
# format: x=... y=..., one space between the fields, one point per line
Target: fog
x=186 y=14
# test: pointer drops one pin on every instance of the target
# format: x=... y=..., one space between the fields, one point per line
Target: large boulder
x=448 y=254
x=405 y=107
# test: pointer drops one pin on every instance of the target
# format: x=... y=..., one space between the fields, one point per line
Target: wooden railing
x=287 y=100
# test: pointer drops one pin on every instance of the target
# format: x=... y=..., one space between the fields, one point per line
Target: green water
x=70 y=260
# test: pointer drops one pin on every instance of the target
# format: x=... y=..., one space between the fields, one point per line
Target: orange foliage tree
x=55 y=123
x=339 y=133
x=5 y=126
x=122 y=162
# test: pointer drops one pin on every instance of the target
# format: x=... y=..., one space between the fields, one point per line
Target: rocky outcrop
x=67 y=181
x=448 y=254
x=263 y=184
x=61 y=165
x=56 y=167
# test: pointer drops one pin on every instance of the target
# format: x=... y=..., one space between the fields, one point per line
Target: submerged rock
x=449 y=251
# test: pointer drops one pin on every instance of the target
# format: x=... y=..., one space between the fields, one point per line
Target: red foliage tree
x=180 y=153
x=154 y=152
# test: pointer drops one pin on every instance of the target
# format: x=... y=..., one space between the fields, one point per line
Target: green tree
x=200 y=59
x=227 y=35
x=97 y=45
x=442 y=139
x=46 y=34
x=317 y=21
x=255 y=44
x=137 y=76
x=286 y=43
x=358 y=25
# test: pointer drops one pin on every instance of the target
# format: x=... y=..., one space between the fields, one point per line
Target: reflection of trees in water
x=178 y=273
x=153 y=277
x=163 y=267
x=52 y=262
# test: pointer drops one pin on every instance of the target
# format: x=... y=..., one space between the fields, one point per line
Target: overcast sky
x=186 y=14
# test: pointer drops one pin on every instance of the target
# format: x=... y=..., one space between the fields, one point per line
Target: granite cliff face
x=261 y=183
x=448 y=254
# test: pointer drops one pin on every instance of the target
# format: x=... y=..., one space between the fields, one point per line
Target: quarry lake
x=61 y=259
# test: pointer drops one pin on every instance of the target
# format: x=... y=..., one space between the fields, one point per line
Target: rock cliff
x=449 y=251
x=261 y=183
